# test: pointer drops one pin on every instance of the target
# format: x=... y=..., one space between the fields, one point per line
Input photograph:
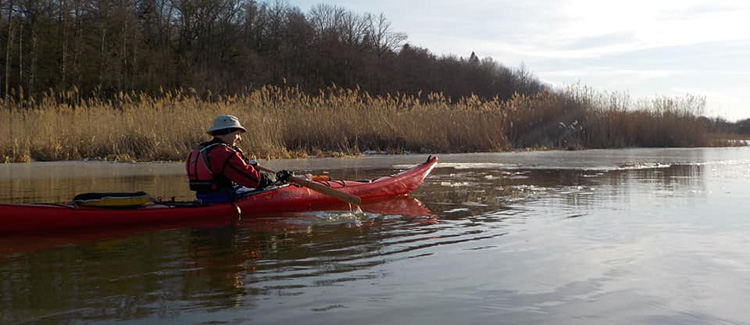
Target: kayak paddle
x=348 y=198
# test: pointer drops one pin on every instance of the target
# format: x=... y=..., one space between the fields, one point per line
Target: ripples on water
x=616 y=237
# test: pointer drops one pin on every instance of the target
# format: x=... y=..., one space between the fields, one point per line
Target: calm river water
x=636 y=236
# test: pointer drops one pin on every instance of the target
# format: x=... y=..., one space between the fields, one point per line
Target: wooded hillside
x=103 y=47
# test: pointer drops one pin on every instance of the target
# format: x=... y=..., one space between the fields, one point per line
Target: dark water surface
x=637 y=236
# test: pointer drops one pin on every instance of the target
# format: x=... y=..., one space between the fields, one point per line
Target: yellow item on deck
x=113 y=200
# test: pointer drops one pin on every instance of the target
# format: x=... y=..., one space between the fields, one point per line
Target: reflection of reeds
x=285 y=122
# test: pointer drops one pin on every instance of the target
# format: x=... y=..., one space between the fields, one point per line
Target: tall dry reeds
x=613 y=120
x=285 y=122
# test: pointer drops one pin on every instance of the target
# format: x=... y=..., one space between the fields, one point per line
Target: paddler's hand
x=264 y=181
x=282 y=176
x=251 y=162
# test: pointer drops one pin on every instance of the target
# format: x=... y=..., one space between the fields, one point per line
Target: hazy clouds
x=644 y=47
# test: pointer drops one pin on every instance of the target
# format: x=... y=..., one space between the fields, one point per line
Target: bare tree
x=383 y=40
x=324 y=18
x=352 y=28
x=9 y=47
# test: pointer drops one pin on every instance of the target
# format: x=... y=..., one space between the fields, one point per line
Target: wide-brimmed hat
x=223 y=122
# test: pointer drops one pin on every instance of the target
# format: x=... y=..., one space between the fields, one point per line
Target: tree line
x=104 y=47
x=720 y=125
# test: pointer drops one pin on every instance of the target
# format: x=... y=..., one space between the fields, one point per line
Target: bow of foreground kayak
x=48 y=217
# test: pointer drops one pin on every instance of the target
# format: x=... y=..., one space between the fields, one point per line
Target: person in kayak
x=218 y=171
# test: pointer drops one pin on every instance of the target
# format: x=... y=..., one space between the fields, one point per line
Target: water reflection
x=212 y=265
x=459 y=193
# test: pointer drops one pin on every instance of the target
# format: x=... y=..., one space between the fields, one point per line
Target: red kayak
x=40 y=217
x=287 y=222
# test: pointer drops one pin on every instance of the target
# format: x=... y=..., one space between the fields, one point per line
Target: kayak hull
x=37 y=217
x=297 y=222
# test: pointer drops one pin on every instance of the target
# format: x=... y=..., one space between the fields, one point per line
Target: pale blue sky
x=643 y=47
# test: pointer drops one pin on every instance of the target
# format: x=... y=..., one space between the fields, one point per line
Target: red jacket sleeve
x=233 y=167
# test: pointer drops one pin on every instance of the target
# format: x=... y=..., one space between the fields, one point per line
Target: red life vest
x=200 y=176
x=217 y=166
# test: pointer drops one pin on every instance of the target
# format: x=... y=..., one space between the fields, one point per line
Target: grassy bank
x=284 y=122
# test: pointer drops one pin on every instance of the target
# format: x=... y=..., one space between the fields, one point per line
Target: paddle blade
x=348 y=198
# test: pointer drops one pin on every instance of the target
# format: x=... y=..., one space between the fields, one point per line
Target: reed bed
x=285 y=123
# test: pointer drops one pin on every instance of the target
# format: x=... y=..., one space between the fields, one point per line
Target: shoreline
x=287 y=123
x=746 y=143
